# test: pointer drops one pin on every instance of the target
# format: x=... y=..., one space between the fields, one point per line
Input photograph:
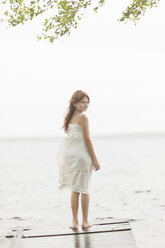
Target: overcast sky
x=120 y=66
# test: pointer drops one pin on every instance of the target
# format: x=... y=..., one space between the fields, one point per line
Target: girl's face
x=82 y=105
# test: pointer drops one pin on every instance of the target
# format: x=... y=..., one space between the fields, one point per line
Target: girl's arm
x=88 y=142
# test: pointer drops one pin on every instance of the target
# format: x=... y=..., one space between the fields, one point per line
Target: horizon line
x=92 y=136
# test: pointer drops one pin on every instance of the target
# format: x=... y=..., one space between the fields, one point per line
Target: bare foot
x=74 y=225
x=86 y=225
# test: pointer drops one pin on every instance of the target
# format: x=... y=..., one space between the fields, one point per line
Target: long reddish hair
x=76 y=97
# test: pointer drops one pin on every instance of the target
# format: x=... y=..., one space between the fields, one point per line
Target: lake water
x=130 y=184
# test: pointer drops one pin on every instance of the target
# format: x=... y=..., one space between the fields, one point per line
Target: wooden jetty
x=107 y=233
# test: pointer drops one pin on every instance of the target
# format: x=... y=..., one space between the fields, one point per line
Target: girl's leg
x=85 y=207
x=74 y=205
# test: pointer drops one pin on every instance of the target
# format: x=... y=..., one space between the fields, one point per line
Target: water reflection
x=82 y=240
x=87 y=241
x=76 y=241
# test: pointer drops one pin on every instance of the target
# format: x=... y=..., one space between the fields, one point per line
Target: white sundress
x=74 y=161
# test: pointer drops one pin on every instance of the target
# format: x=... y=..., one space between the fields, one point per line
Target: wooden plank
x=69 y=231
x=99 y=240
x=11 y=242
x=114 y=233
x=65 y=230
x=110 y=220
x=58 y=231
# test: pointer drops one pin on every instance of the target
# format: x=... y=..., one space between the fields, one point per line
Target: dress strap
x=78 y=117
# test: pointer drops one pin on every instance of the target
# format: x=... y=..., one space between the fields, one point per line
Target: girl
x=76 y=156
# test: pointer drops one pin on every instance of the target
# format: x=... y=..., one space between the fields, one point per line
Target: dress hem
x=62 y=186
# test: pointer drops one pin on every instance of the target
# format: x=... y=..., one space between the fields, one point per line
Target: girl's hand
x=96 y=165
